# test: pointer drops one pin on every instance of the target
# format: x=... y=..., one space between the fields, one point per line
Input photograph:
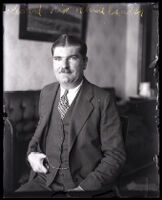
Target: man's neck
x=71 y=86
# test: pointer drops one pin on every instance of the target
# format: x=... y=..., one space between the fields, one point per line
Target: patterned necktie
x=63 y=105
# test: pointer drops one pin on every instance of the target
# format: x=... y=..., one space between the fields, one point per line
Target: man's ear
x=85 y=62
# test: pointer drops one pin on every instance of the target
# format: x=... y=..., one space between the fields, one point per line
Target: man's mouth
x=65 y=72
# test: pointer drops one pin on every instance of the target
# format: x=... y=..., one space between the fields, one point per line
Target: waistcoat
x=56 y=148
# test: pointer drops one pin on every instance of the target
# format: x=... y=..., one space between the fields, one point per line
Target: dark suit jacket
x=96 y=149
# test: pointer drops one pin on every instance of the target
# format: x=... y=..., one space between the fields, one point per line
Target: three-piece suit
x=93 y=146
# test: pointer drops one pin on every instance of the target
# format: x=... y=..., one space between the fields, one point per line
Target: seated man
x=78 y=143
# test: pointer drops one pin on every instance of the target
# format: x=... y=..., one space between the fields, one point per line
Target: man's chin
x=65 y=80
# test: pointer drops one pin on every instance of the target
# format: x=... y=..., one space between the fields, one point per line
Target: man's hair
x=68 y=40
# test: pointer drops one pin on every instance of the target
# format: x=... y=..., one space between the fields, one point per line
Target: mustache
x=65 y=71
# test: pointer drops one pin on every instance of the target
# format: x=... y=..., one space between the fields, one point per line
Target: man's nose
x=65 y=63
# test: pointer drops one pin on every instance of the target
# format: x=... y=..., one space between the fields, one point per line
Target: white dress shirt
x=71 y=92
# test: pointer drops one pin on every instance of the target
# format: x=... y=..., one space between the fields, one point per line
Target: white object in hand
x=36 y=161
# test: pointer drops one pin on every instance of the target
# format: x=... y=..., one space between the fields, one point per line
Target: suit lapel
x=47 y=103
x=81 y=112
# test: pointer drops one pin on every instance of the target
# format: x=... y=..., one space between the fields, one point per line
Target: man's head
x=69 y=60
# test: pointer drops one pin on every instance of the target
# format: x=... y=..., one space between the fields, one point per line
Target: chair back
x=21 y=109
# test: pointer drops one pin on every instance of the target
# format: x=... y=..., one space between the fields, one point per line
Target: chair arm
x=8 y=150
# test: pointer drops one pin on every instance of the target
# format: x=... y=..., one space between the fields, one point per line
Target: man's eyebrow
x=74 y=55
x=66 y=56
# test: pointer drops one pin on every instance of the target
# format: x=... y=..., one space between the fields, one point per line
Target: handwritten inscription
x=110 y=10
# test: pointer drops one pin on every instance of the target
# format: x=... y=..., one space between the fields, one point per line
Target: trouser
x=36 y=184
x=62 y=182
x=37 y=188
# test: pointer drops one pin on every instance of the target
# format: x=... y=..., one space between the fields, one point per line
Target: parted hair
x=69 y=40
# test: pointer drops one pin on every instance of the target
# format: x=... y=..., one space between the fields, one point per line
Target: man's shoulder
x=49 y=87
x=99 y=91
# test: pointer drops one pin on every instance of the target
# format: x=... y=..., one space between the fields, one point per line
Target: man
x=78 y=143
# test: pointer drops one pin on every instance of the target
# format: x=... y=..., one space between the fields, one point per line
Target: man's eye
x=57 y=58
x=73 y=58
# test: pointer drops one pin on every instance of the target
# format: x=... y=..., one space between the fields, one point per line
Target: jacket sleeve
x=112 y=147
x=33 y=144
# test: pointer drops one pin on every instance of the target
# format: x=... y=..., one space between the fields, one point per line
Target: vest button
x=61 y=174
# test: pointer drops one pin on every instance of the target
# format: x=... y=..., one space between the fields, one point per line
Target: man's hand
x=36 y=161
x=76 y=189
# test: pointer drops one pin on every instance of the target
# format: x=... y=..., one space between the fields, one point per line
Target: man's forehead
x=72 y=49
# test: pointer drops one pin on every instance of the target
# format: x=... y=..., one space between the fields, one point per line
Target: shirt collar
x=71 y=91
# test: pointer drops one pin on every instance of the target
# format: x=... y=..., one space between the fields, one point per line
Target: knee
x=22 y=188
